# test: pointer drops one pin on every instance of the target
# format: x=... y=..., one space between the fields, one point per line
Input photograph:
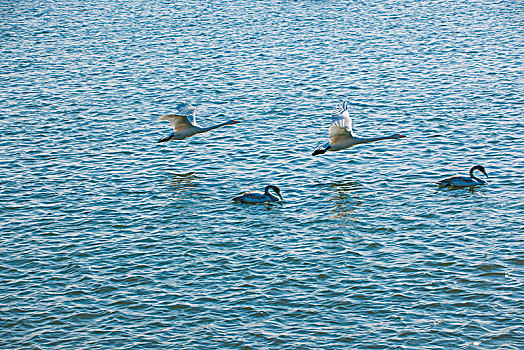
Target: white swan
x=257 y=197
x=341 y=135
x=463 y=181
x=184 y=123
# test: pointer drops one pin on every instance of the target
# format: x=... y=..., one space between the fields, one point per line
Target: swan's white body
x=463 y=181
x=258 y=197
x=341 y=135
x=184 y=123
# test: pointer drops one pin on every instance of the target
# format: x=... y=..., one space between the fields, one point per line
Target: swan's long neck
x=474 y=177
x=215 y=127
x=373 y=139
x=273 y=197
x=270 y=195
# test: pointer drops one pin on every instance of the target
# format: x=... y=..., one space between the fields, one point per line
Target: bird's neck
x=474 y=177
x=270 y=195
x=373 y=139
x=215 y=127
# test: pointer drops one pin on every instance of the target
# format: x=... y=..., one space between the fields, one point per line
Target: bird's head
x=399 y=136
x=480 y=168
x=276 y=189
x=231 y=122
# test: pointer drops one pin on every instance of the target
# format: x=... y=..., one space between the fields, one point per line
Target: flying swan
x=341 y=135
x=184 y=123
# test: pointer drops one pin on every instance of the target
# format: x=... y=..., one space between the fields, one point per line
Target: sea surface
x=110 y=240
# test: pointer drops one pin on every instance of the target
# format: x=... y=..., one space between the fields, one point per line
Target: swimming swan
x=257 y=197
x=462 y=181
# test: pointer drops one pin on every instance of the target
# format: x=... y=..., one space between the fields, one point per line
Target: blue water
x=112 y=241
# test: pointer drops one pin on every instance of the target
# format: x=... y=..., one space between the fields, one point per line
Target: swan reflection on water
x=461 y=191
x=182 y=181
x=343 y=194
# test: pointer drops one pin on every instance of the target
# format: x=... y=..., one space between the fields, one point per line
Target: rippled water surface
x=110 y=240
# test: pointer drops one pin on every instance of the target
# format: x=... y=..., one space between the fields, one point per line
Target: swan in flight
x=257 y=197
x=341 y=135
x=184 y=123
x=463 y=181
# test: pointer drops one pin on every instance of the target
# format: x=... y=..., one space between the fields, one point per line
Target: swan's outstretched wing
x=341 y=125
x=178 y=122
x=187 y=110
x=183 y=119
